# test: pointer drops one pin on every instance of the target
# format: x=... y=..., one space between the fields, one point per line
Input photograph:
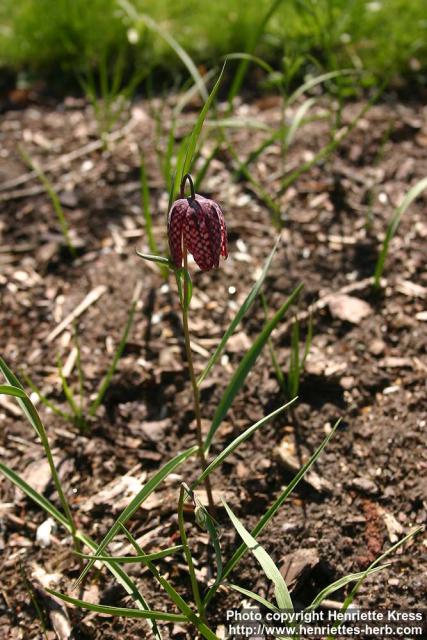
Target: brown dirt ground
x=371 y=373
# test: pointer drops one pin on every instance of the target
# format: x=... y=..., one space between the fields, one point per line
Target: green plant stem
x=187 y=552
x=58 y=485
x=196 y=397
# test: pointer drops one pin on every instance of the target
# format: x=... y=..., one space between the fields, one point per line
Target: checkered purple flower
x=196 y=224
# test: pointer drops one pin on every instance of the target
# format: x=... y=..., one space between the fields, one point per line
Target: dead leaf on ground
x=349 y=308
x=296 y=566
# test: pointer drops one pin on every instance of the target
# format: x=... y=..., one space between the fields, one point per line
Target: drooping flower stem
x=182 y=188
x=195 y=388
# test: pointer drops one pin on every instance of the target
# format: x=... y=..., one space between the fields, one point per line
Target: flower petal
x=202 y=233
x=176 y=219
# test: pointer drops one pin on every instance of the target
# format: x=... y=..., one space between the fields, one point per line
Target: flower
x=196 y=224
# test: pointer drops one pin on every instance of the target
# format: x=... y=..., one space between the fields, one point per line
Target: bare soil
x=371 y=371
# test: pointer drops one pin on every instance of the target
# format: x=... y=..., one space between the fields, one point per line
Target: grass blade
x=31 y=414
x=31 y=493
x=297 y=121
x=250 y=58
x=157 y=555
x=23 y=401
x=53 y=198
x=195 y=134
x=69 y=396
x=412 y=194
x=121 y=612
x=352 y=594
x=283 y=598
x=246 y=365
x=47 y=403
x=134 y=505
x=240 y=314
x=342 y=582
x=254 y=596
x=271 y=512
x=173 y=594
x=167 y=37
x=237 y=442
x=152 y=258
x=179 y=172
x=120 y=575
x=188 y=145
x=9 y=390
x=113 y=366
x=330 y=147
x=313 y=82
x=255 y=37
x=206 y=522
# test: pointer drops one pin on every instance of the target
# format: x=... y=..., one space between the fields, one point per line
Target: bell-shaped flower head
x=196 y=224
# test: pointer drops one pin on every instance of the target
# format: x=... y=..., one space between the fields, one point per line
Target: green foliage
x=186 y=614
x=53 y=196
x=382 y=37
x=80 y=410
x=246 y=365
x=393 y=225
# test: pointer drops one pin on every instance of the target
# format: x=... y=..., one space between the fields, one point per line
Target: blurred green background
x=60 y=39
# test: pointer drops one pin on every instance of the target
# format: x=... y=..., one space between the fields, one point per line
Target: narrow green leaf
x=167 y=37
x=250 y=58
x=45 y=504
x=206 y=522
x=68 y=392
x=121 y=612
x=254 y=596
x=313 y=82
x=103 y=387
x=120 y=575
x=152 y=258
x=56 y=203
x=238 y=123
x=271 y=512
x=173 y=594
x=249 y=300
x=80 y=372
x=184 y=492
x=157 y=555
x=340 y=583
x=308 y=341
x=246 y=365
x=393 y=225
x=283 y=598
x=238 y=441
x=297 y=121
x=24 y=402
x=9 y=390
x=136 y=502
x=255 y=36
x=31 y=414
x=47 y=403
x=349 y=599
x=197 y=129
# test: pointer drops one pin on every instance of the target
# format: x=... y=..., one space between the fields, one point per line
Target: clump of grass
x=380 y=37
x=109 y=91
x=53 y=196
x=81 y=411
x=393 y=225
